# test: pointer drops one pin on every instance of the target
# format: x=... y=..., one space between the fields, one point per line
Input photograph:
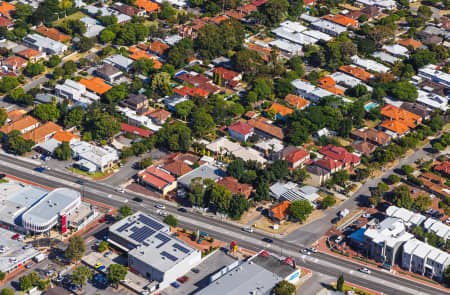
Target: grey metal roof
x=203 y=172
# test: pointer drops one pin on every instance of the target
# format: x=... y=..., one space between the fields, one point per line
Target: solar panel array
x=181 y=248
x=169 y=256
x=141 y=234
x=123 y=227
x=150 y=222
x=164 y=239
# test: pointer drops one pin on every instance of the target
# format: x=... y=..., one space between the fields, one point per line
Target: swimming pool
x=370 y=106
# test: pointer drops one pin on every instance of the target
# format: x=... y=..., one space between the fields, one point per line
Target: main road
x=379 y=280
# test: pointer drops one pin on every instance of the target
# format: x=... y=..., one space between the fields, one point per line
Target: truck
x=38 y=258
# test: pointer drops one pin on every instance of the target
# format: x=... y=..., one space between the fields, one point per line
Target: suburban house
x=76 y=92
x=296 y=101
x=293 y=192
x=263 y=128
x=96 y=85
x=149 y=6
x=280 y=212
x=177 y=168
x=158 y=179
x=342 y=20
x=24 y=124
x=235 y=187
x=108 y=73
x=363 y=148
x=136 y=102
x=6 y=23
x=31 y=54
x=93 y=158
x=228 y=77
x=371 y=135
x=44 y=44
x=297 y=158
x=340 y=154
x=199 y=81
x=64 y=136
x=201 y=173
x=278 y=110
x=418 y=109
x=119 y=61
x=53 y=33
x=398 y=121
x=136 y=130
x=7 y=10
x=42 y=133
x=15 y=63
x=15 y=115
x=190 y=92
x=128 y=9
x=240 y=131
x=357 y=72
x=318 y=174
x=158 y=48
x=159 y=116
x=443 y=168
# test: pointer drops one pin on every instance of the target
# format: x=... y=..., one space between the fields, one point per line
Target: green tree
x=276 y=10
x=105 y=126
x=74 y=117
x=220 y=198
x=404 y=91
x=25 y=283
x=46 y=112
x=17 y=144
x=8 y=83
x=184 y=108
x=394 y=178
x=63 y=151
x=85 y=44
x=53 y=61
x=383 y=187
x=203 y=123
x=2 y=275
x=107 y=36
x=236 y=169
x=75 y=249
x=197 y=194
x=171 y=220
x=102 y=246
x=146 y=162
x=143 y=66
x=69 y=67
x=80 y=275
x=422 y=203
x=7 y=291
x=327 y=202
x=34 y=69
x=3 y=116
x=175 y=137
x=125 y=211
x=116 y=273
x=402 y=197
x=340 y=177
x=340 y=283
x=407 y=169
x=160 y=81
x=447 y=275
x=300 y=210
x=283 y=288
x=116 y=94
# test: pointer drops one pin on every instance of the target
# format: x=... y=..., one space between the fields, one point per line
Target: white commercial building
x=44 y=44
x=369 y=64
x=436 y=226
x=152 y=252
x=294 y=36
x=75 y=91
x=433 y=73
x=410 y=218
x=119 y=61
x=382 y=4
x=292 y=192
x=106 y=11
x=383 y=240
x=57 y=205
x=101 y=157
x=424 y=259
x=13 y=254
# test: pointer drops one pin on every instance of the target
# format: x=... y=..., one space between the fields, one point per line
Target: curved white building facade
x=45 y=214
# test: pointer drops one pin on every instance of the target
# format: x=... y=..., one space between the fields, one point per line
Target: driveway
x=310 y=233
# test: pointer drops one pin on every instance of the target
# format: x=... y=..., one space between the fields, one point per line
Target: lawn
x=96 y=174
x=76 y=15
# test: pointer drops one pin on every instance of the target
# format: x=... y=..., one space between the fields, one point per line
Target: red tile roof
x=235 y=187
x=15 y=61
x=160 y=115
x=281 y=211
x=53 y=33
x=226 y=74
x=6 y=9
x=241 y=128
x=136 y=130
x=156 y=177
x=339 y=154
x=342 y=20
x=267 y=128
x=40 y=134
x=296 y=156
x=96 y=85
x=248 y=9
x=296 y=101
x=280 y=109
x=4 y=22
x=186 y=91
x=444 y=167
x=159 y=47
x=356 y=72
x=259 y=2
x=177 y=167
x=328 y=164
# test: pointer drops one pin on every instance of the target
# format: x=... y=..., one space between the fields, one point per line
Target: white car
x=248 y=229
x=120 y=190
x=447 y=221
x=313 y=250
x=305 y=251
x=160 y=206
x=339 y=239
x=365 y=270
x=366 y=215
x=163 y=213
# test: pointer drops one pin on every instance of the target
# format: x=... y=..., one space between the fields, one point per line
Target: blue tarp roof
x=358 y=235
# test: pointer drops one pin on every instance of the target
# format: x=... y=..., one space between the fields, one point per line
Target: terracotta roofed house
x=53 y=33
x=96 y=85
x=15 y=63
x=128 y=9
x=364 y=148
x=410 y=42
x=357 y=72
x=177 y=168
x=191 y=92
x=340 y=154
x=149 y=6
x=6 y=9
x=248 y=9
x=280 y=110
x=42 y=133
x=23 y=124
x=240 y=131
x=280 y=212
x=229 y=77
x=297 y=158
x=6 y=23
x=64 y=136
x=443 y=168
x=158 y=179
x=158 y=47
x=342 y=20
x=398 y=120
x=265 y=129
x=160 y=116
x=136 y=130
x=15 y=115
x=235 y=187
x=372 y=135
x=296 y=101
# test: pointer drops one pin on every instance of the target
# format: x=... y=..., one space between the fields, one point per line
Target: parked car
x=259 y=209
x=79 y=181
x=365 y=270
x=199 y=241
x=29 y=265
x=160 y=206
x=49 y=272
x=305 y=252
x=183 y=279
x=313 y=250
x=248 y=229
x=163 y=213
x=101 y=268
x=15 y=237
x=195 y=270
x=97 y=265
x=39 y=169
x=120 y=190
x=339 y=239
x=366 y=215
x=175 y=285
x=107 y=253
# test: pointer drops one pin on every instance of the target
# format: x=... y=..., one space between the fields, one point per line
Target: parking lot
x=196 y=281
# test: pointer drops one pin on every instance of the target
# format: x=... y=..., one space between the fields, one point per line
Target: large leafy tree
x=176 y=137
x=63 y=151
x=276 y=10
x=184 y=108
x=17 y=144
x=46 y=112
x=284 y=288
x=104 y=126
x=203 y=123
x=402 y=197
x=3 y=116
x=300 y=210
x=220 y=198
x=74 y=117
x=80 y=275
x=75 y=249
x=116 y=273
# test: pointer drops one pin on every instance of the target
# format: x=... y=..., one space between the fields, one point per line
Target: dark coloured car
x=79 y=181
x=137 y=199
x=267 y=240
x=2 y=175
x=195 y=270
x=39 y=169
x=259 y=209
x=182 y=210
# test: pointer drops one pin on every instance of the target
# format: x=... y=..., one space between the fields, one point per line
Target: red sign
x=63 y=224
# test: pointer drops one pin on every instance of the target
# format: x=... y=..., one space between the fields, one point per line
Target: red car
x=183 y=279
x=15 y=237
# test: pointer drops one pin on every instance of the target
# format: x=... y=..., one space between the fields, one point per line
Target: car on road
x=120 y=190
x=15 y=237
x=59 y=280
x=29 y=265
x=182 y=210
x=175 y=285
x=305 y=252
x=160 y=206
x=195 y=270
x=27 y=246
x=39 y=169
x=97 y=265
x=163 y=213
x=248 y=229
x=365 y=270
x=259 y=209
x=312 y=250
x=183 y=279
x=79 y=181
x=267 y=240
x=101 y=268
x=138 y=200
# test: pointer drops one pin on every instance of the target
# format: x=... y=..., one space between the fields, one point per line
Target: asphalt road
x=329 y=265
